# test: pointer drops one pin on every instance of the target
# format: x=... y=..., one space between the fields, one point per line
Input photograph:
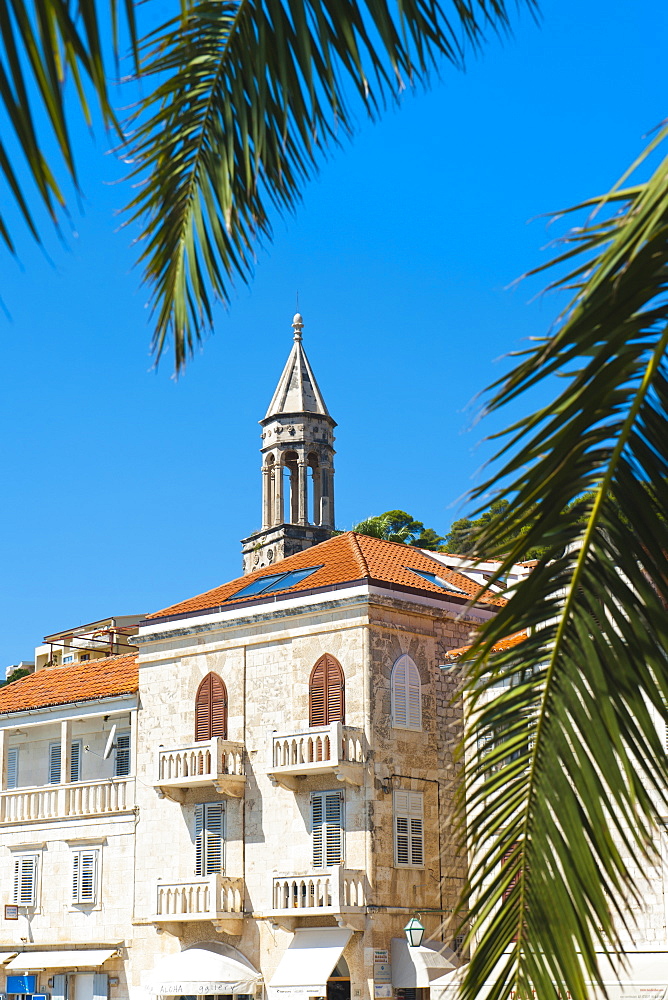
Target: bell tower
x=297 y=466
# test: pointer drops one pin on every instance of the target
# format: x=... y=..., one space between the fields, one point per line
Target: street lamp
x=414 y=932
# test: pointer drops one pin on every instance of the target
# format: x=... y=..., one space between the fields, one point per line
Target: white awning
x=308 y=962
x=418 y=966
x=646 y=978
x=206 y=968
x=29 y=961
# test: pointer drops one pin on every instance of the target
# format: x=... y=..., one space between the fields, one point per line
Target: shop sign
x=382 y=974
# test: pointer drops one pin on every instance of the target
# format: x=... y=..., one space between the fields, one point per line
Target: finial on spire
x=297 y=326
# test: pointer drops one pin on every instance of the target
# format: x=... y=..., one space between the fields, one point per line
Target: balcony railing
x=75 y=799
x=215 y=762
x=337 y=749
x=218 y=898
x=336 y=891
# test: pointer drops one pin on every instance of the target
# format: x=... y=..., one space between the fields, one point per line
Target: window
x=209 y=838
x=211 y=709
x=122 y=759
x=438 y=581
x=408 y=830
x=68 y=659
x=326 y=692
x=54 y=762
x=276 y=581
x=25 y=880
x=406 y=694
x=84 y=876
x=327 y=828
x=13 y=767
x=84 y=656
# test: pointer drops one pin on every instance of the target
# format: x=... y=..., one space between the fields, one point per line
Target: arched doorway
x=338 y=984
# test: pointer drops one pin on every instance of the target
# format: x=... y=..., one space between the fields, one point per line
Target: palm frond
x=248 y=95
x=563 y=812
x=42 y=43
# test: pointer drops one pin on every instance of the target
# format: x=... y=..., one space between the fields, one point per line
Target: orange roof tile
x=344 y=558
x=102 y=678
x=511 y=640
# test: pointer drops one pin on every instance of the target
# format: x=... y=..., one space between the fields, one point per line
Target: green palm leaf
x=248 y=94
x=42 y=44
x=565 y=808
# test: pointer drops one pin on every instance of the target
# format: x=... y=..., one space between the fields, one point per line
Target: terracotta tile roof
x=512 y=640
x=343 y=559
x=102 y=678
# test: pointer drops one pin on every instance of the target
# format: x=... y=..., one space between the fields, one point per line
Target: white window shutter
x=75 y=761
x=327 y=828
x=25 y=880
x=76 y=876
x=100 y=986
x=213 y=838
x=316 y=829
x=413 y=697
x=406 y=694
x=399 y=701
x=59 y=991
x=13 y=767
x=122 y=761
x=54 y=763
x=85 y=876
x=408 y=829
x=209 y=838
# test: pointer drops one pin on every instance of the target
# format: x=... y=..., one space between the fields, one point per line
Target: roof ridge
x=359 y=554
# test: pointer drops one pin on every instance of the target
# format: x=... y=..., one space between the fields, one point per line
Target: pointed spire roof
x=297 y=390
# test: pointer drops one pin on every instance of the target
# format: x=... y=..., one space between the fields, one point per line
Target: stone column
x=279 y=515
x=133 y=741
x=266 y=496
x=3 y=762
x=303 y=493
x=317 y=495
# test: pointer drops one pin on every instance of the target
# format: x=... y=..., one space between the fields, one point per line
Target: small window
x=327 y=828
x=408 y=830
x=211 y=708
x=326 y=692
x=25 y=880
x=406 y=694
x=13 y=767
x=209 y=838
x=85 y=656
x=84 y=876
x=54 y=762
x=276 y=581
x=438 y=581
x=68 y=659
x=122 y=759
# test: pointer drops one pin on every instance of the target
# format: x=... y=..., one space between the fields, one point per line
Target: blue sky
x=125 y=490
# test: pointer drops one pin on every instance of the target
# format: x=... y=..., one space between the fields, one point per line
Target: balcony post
x=3 y=762
x=65 y=772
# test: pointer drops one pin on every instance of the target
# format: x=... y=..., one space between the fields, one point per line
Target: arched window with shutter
x=211 y=708
x=406 y=694
x=326 y=692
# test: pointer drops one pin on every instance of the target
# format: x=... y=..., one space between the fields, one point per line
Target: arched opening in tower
x=291 y=486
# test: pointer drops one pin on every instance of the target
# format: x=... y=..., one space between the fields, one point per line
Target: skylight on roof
x=277 y=581
x=438 y=581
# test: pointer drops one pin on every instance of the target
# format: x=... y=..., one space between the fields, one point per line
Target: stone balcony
x=216 y=762
x=218 y=898
x=336 y=892
x=336 y=750
x=76 y=799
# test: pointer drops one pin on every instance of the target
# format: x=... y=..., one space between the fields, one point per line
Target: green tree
x=15 y=675
x=239 y=101
x=398 y=526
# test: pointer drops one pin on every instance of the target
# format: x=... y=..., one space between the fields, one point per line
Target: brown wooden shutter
x=326 y=692
x=211 y=708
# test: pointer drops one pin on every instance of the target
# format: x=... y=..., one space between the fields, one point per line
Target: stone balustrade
x=335 y=749
x=200 y=898
x=74 y=799
x=215 y=762
x=337 y=890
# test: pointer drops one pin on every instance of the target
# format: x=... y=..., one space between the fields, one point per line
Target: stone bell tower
x=297 y=466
